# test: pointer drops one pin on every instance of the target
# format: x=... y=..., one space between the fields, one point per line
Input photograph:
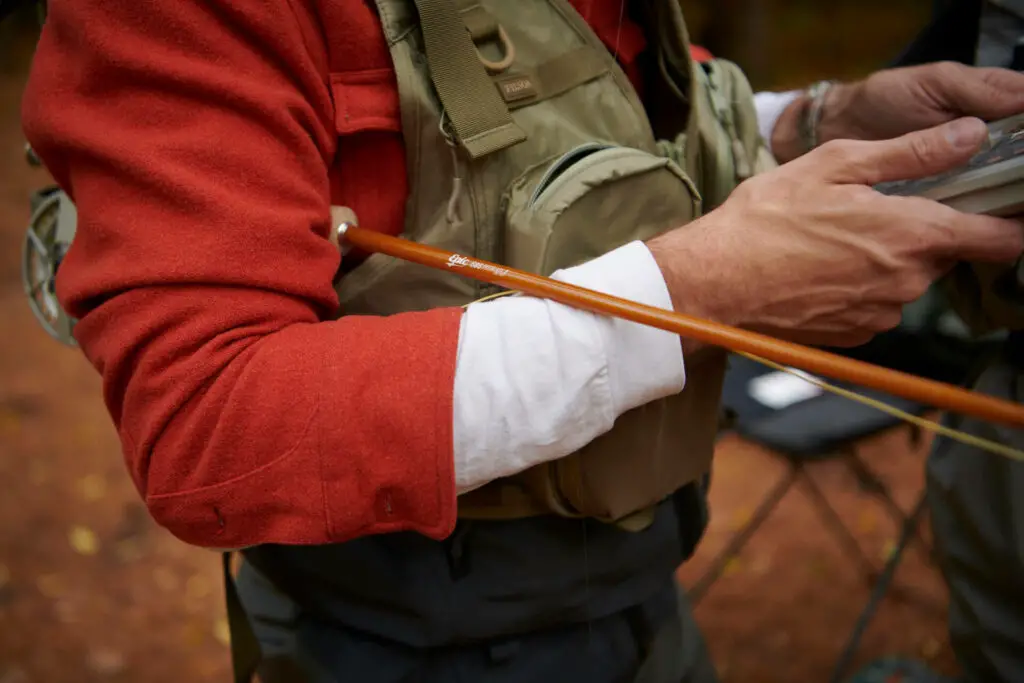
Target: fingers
x=985 y=238
x=988 y=93
x=911 y=156
x=951 y=235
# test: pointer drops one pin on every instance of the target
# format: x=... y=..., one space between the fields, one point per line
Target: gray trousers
x=621 y=648
x=976 y=501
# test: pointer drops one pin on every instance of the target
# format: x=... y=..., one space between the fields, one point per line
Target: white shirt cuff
x=644 y=363
x=536 y=380
x=769 y=106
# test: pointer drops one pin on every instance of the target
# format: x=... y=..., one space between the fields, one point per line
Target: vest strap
x=480 y=23
x=479 y=118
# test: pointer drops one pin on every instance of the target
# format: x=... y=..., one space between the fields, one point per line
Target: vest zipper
x=456 y=194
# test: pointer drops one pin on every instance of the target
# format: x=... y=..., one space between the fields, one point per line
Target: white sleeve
x=769 y=106
x=535 y=380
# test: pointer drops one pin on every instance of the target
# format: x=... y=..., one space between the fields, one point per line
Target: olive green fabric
x=478 y=115
x=729 y=148
x=523 y=87
x=590 y=175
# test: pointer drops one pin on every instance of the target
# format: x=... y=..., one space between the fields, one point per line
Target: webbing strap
x=479 y=118
x=480 y=23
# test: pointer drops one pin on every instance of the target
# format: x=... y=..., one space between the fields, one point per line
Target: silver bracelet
x=812 y=113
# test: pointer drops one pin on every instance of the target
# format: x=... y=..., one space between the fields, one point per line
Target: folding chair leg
x=907 y=532
x=879 y=489
x=835 y=522
x=736 y=543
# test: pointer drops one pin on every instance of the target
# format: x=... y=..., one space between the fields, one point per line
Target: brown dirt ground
x=91 y=590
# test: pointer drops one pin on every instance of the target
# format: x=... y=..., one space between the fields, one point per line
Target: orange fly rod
x=911 y=387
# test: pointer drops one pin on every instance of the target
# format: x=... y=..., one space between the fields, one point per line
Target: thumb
x=908 y=157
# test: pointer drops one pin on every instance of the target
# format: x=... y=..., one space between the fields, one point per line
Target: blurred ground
x=92 y=591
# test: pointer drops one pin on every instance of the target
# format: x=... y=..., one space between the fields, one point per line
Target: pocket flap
x=590 y=200
x=366 y=100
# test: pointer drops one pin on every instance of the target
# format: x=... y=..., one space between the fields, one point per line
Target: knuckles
x=837 y=152
x=862 y=197
x=924 y=149
x=946 y=71
x=767 y=195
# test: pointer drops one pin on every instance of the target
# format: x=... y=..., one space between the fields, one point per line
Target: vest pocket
x=590 y=200
x=573 y=208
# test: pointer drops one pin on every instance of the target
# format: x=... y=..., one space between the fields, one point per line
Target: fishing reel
x=47 y=240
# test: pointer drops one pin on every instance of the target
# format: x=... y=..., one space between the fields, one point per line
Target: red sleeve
x=195 y=139
x=700 y=54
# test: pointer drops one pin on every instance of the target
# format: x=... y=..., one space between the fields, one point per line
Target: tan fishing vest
x=526 y=145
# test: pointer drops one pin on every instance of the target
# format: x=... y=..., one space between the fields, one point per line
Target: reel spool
x=47 y=239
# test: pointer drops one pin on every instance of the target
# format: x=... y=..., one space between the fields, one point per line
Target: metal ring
x=339 y=234
x=40 y=248
x=507 y=47
x=341 y=218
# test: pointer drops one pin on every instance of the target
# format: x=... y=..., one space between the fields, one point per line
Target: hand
x=893 y=102
x=811 y=253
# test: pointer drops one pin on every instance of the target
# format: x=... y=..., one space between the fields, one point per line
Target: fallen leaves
x=51 y=585
x=15 y=407
x=222 y=632
x=105 y=661
x=130 y=536
x=197 y=631
x=86 y=433
x=83 y=540
x=165 y=579
x=92 y=487
x=197 y=587
x=867 y=522
x=193 y=635
x=740 y=518
x=129 y=550
x=733 y=566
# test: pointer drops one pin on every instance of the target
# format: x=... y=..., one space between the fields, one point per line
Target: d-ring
x=506 y=47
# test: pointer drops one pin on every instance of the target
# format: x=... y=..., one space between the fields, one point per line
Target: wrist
x=820 y=114
x=786 y=143
x=700 y=280
x=838 y=120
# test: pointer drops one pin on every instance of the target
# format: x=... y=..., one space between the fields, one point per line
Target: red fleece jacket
x=203 y=143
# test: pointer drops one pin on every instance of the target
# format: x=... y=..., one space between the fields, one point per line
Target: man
x=974 y=498
x=500 y=492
